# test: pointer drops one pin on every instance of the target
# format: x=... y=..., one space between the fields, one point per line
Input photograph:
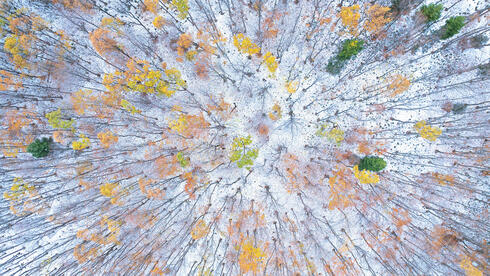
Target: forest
x=244 y=137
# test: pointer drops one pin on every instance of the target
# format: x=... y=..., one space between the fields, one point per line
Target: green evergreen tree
x=432 y=11
x=39 y=148
x=350 y=48
x=453 y=26
x=372 y=163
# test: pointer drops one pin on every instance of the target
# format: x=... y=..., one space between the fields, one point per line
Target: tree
x=426 y=131
x=350 y=17
x=378 y=17
x=453 y=26
x=350 y=48
x=39 y=148
x=432 y=12
x=241 y=154
x=372 y=163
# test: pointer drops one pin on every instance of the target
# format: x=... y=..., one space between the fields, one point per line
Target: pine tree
x=39 y=148
x=453 y=26
x=432 y=11
x=372 y=163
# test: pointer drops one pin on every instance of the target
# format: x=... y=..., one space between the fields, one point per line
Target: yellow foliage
x=54 y=120
x=19 y=194
x=468 y=267
x=18 y=47
x=109 y=189
x=139 y=77
x=271 y=62
x=336 y=135
x=251 y=258
x=365 y=176
x=114 y=228
x=111 y=22
x=189 y=125
x=182 y=6
x=350 y=17
x=199 y=230
x=129 y=107
x=190 y=55
x=18 y=190
x=245 y=45
x=276 y=113
x=292 y=86
x=81 y=144
x=158 y=22
x=426 y=131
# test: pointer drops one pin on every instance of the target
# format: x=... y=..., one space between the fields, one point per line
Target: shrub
x=372 y=163
x=452 y=27
x=432 y=11
x=39 y=148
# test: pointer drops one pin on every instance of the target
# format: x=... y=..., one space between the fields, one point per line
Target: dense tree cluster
x=254 y=137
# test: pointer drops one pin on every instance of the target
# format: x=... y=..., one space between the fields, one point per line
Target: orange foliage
x=167 y=166
x=141 y=219
x=102 y=41
x=78 y=5
x=341 y=190
x=443 y=179
x=401 y=218
x=378 y=17
x=442 y=237
x=398 y=85
x=184 y=43
x=81 y=100
x=270 y=27
x=189 y=184
x=82 y=255
x=190 y=126
x=12 y=138
x=296 y=179
x=151 y=5
x=220 y=108
x=62 y=136
x=9 y=81
x=107 y=138
x=201 y=68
